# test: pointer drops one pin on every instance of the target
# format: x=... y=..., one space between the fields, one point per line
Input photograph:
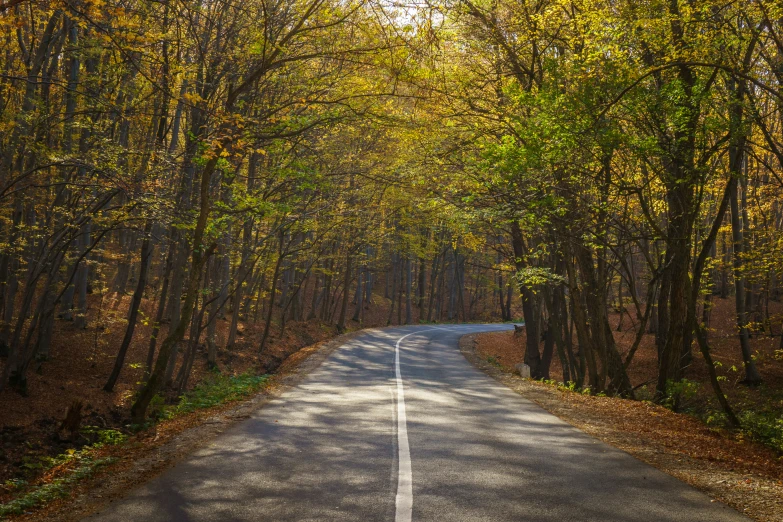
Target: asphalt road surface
x=396 y=426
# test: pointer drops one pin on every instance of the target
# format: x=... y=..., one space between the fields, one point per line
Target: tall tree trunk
x=530 y=307
x=394 y=273
x=346 y=293
x=421 y=287
x=134 y=309
x=752 y=375
x=273 y=291
x=198 y=258
x=161 y=303
x=736 y=162
x=359 y=297
x=408 y=291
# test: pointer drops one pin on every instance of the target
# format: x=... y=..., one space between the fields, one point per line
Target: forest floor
x=741 y=468
x=751 y=404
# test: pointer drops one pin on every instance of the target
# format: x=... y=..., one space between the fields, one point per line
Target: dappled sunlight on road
x=326 y=450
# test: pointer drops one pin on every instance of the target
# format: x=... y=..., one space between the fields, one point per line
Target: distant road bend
x=397 y=426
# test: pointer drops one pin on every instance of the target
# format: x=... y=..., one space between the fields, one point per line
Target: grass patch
x=58 y=488
x=214 y=390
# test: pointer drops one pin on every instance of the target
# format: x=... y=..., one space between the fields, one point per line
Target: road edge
x=117 y=481
x=673 y=465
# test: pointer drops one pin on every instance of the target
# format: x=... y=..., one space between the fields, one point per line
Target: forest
x=183 y=182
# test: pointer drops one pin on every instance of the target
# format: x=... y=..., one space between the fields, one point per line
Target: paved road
x=425 y=437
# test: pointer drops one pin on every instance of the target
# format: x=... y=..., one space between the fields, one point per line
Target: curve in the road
x=397 y=425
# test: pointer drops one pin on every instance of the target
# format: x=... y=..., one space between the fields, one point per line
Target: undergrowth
x=761 y=422
x=216 y=389
x=213 y=390
x=764 y=426
x=85 y=465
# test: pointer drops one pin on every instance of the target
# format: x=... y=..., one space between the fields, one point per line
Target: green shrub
x=217 y=389
x=105 y=436
x=644 y=394
x=764 y=426
x=679 y=392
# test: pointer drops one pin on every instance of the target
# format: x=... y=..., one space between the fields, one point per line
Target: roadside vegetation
x=50 y=478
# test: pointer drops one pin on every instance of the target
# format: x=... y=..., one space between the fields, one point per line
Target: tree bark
x=134 y=309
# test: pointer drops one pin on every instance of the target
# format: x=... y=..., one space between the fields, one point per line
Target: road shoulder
x=676 y=444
